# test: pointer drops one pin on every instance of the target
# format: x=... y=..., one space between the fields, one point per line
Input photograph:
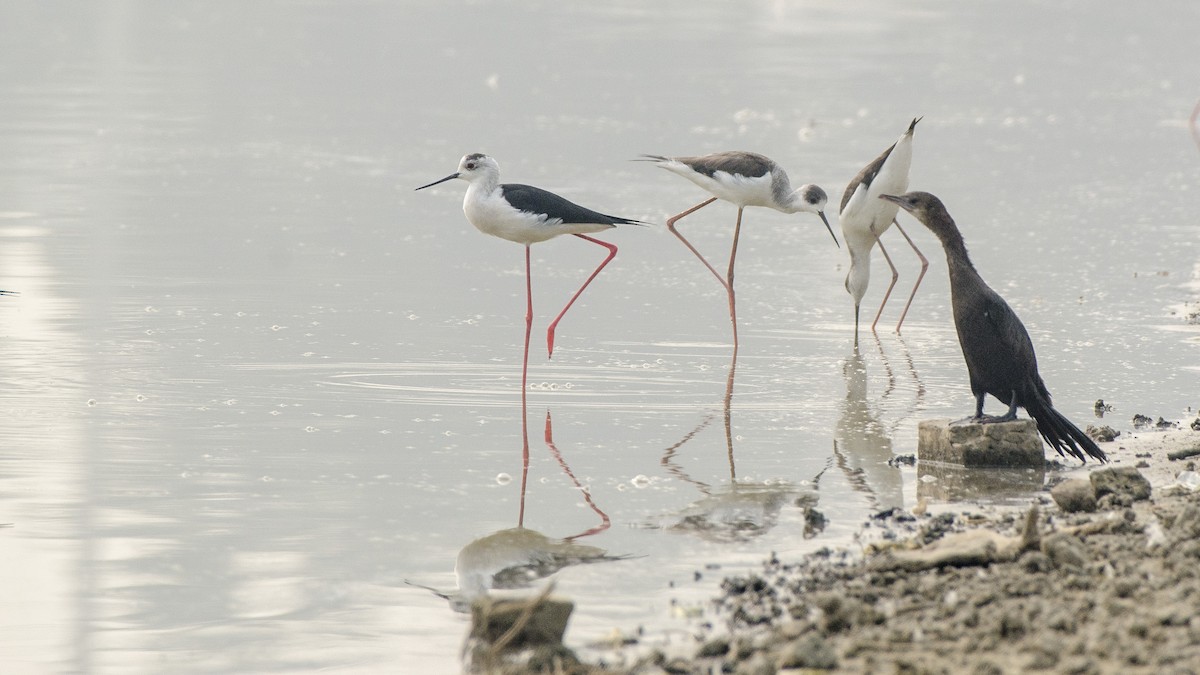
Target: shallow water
x=255 y=385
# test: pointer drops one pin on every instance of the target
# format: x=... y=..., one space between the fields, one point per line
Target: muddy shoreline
x=967 y=589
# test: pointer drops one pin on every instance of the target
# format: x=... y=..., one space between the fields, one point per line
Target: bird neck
x=957 y=259
x=484 y=185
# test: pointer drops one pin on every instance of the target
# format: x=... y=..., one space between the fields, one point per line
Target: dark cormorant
x=995 y=344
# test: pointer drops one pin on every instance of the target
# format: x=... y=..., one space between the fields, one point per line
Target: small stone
x=756 y=665
x=808 y=652
x=1187 y=523
x=1120 y=480
x=1102 y=434
x=1075 y=495
x=718 y=646
x=491 y=618
x=1065 y=550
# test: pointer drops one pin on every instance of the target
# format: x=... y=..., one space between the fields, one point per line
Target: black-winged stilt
x=743 y=179
x=864 y=217
x=528 y=215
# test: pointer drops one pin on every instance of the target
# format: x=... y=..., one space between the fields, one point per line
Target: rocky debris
x=1176 y=455
x=1110 y=591
x=1144 y=422
x=1101 y=434
x=1141 y=421
x=1123 y=482
x=1007 y=444
x=521 y=635
x=1102 y=408
x=1075 y=495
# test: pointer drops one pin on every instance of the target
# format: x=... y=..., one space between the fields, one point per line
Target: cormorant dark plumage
x=995 y=344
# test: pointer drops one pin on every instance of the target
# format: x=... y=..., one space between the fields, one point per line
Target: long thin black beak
x=450 y=177
x=826 y=221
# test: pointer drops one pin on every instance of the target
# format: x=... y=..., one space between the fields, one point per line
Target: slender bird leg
x=612 y=253
x=671 y=226
x=525 y=388
x=895 y=276
x=737 y=232
x=924 y=268
x=528 y=326
x=856 y=313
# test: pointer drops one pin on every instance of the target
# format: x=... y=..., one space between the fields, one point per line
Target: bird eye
x=470 y=166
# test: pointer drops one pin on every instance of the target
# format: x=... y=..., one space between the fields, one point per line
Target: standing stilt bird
x=744 y=179
x=995 y=344
x=528 y=215
x=864 y=218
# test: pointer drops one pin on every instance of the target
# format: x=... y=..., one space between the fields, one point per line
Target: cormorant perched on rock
x=995 y=344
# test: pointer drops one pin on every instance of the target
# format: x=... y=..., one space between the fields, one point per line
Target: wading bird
x=743 y=179
x=864 y=217
x=528 y=215
x=995 y=344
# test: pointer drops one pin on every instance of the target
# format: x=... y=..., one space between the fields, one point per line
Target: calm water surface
x=260 y=397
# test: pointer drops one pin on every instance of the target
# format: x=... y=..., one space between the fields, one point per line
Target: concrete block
x=970 y=444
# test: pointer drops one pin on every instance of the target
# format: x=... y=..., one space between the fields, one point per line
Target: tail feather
x=1061 y=434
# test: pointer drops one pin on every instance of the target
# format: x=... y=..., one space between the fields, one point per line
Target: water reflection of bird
x=528 y=215
x=865 y=218
x=999 y=354
x=1194 y=124
x=864 y=447
x=743 y=179
x=741 y=510
x=518 y=557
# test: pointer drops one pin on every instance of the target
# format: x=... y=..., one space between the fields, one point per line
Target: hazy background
x=253 y=382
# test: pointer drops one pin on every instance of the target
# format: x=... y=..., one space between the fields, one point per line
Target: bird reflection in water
x=862 y=444
x=741 y=510
x=518 y=557
x=1194 y=124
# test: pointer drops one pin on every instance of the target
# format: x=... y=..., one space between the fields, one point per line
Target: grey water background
x=254 y=384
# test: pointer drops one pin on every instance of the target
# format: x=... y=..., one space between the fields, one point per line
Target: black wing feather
x=545 y=203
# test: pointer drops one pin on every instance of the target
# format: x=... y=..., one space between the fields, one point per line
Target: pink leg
x=737 y=232
x=524 y=465
x=895 y=276
x=924 y=268
x=605 y=523
x=525 y=387
x=671 y=226
x=528 y=324
x=612 y=253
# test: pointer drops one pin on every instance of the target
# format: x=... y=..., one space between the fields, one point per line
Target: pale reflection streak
x=518 y=557
x=739 y=511
x=862 y=442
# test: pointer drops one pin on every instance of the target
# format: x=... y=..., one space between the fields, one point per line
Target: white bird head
x=812 y=198
x=472 y=168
